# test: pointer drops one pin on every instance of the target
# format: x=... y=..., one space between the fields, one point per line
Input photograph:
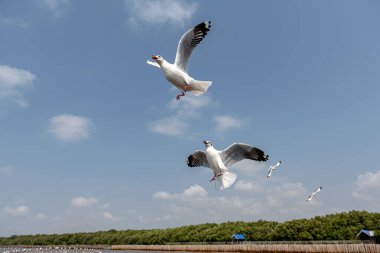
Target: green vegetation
x=341 y=226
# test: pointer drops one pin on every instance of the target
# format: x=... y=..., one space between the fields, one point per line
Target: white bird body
x=177 y=73
x=218 y=161
x=215 y=161
x=313 y=194
x=271 y=168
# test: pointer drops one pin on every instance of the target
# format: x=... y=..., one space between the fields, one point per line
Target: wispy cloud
x=163 y=195
x=13 y=83
x=226 y=122
x=247 y=185
x=57 y=8
x=159 y=12
x=83 y=201
x=108 y=216
x=68 y=127
x=13 y=22
x=7 y=170
x=173 y=126
x=367 y=185
x=193 y=192
x=186 y=110
x=42 y=216
x=265 y=200
x=282 y=193
x=16 y=211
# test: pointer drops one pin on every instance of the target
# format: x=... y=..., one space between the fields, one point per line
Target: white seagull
x=313 y=194
x=177 y=73
x=219 y=161
x=271 y=168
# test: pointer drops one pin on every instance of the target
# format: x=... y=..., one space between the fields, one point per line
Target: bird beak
x=205 y=142
x=154 y=57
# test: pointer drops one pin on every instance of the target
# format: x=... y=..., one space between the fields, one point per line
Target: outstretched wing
x=188 y=42
x=239 y=151
x=153 y=63
x=317 y=190
x=197 y=159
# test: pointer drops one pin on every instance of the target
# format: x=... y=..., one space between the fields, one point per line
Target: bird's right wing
x=188 y=42
x=153 y=63
x=239 y=151
x=197 y=159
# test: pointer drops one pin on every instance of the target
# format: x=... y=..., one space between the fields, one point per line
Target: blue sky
x=93 y=139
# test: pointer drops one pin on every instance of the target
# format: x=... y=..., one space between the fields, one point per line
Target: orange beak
x=154 y=57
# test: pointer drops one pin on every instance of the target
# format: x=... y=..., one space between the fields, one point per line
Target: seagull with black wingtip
x=219 y=161
x=177 y=73
x=311 y=196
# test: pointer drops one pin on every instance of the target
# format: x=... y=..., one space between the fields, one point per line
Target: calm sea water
x=27 y=250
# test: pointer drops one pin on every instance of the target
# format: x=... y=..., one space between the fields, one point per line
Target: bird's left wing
x=197 y=159
x=153 y=63
x=239 y=151
x=188 y=42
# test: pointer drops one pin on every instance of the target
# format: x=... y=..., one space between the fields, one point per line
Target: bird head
x=207 y=143
x=157 y=58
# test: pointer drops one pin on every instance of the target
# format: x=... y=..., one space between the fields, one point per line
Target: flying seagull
x=313 y=194
x=219 y=161
x=177 y=73
x=271 y=168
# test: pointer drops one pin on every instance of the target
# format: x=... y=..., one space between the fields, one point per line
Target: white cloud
x=162 y=195
x=226 y=122
x=247 y=200
x=17 y=211
x=284 y=192
x=108 y=216
x=195 y=191
x=13 y=82
x=105 y=206
x=367 y=185
x=159 y=12
x=246 y=185
x=83 y=202
x=42 y=216
x=7 y=170
x=70 y=127
x=57 y=8
x=186 y=110
x=15 y=22
x=173 y=126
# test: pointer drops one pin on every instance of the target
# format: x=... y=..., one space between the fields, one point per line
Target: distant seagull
x=177 y=73
x=271 y=168
x=218 y=161
x=313 y=194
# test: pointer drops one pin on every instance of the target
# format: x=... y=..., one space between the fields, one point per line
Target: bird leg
x=186 y=87
x=215 y=176
x=178 y=97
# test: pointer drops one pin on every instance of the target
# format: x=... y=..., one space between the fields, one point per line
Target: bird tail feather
x=226 y=180
x=199 y=87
